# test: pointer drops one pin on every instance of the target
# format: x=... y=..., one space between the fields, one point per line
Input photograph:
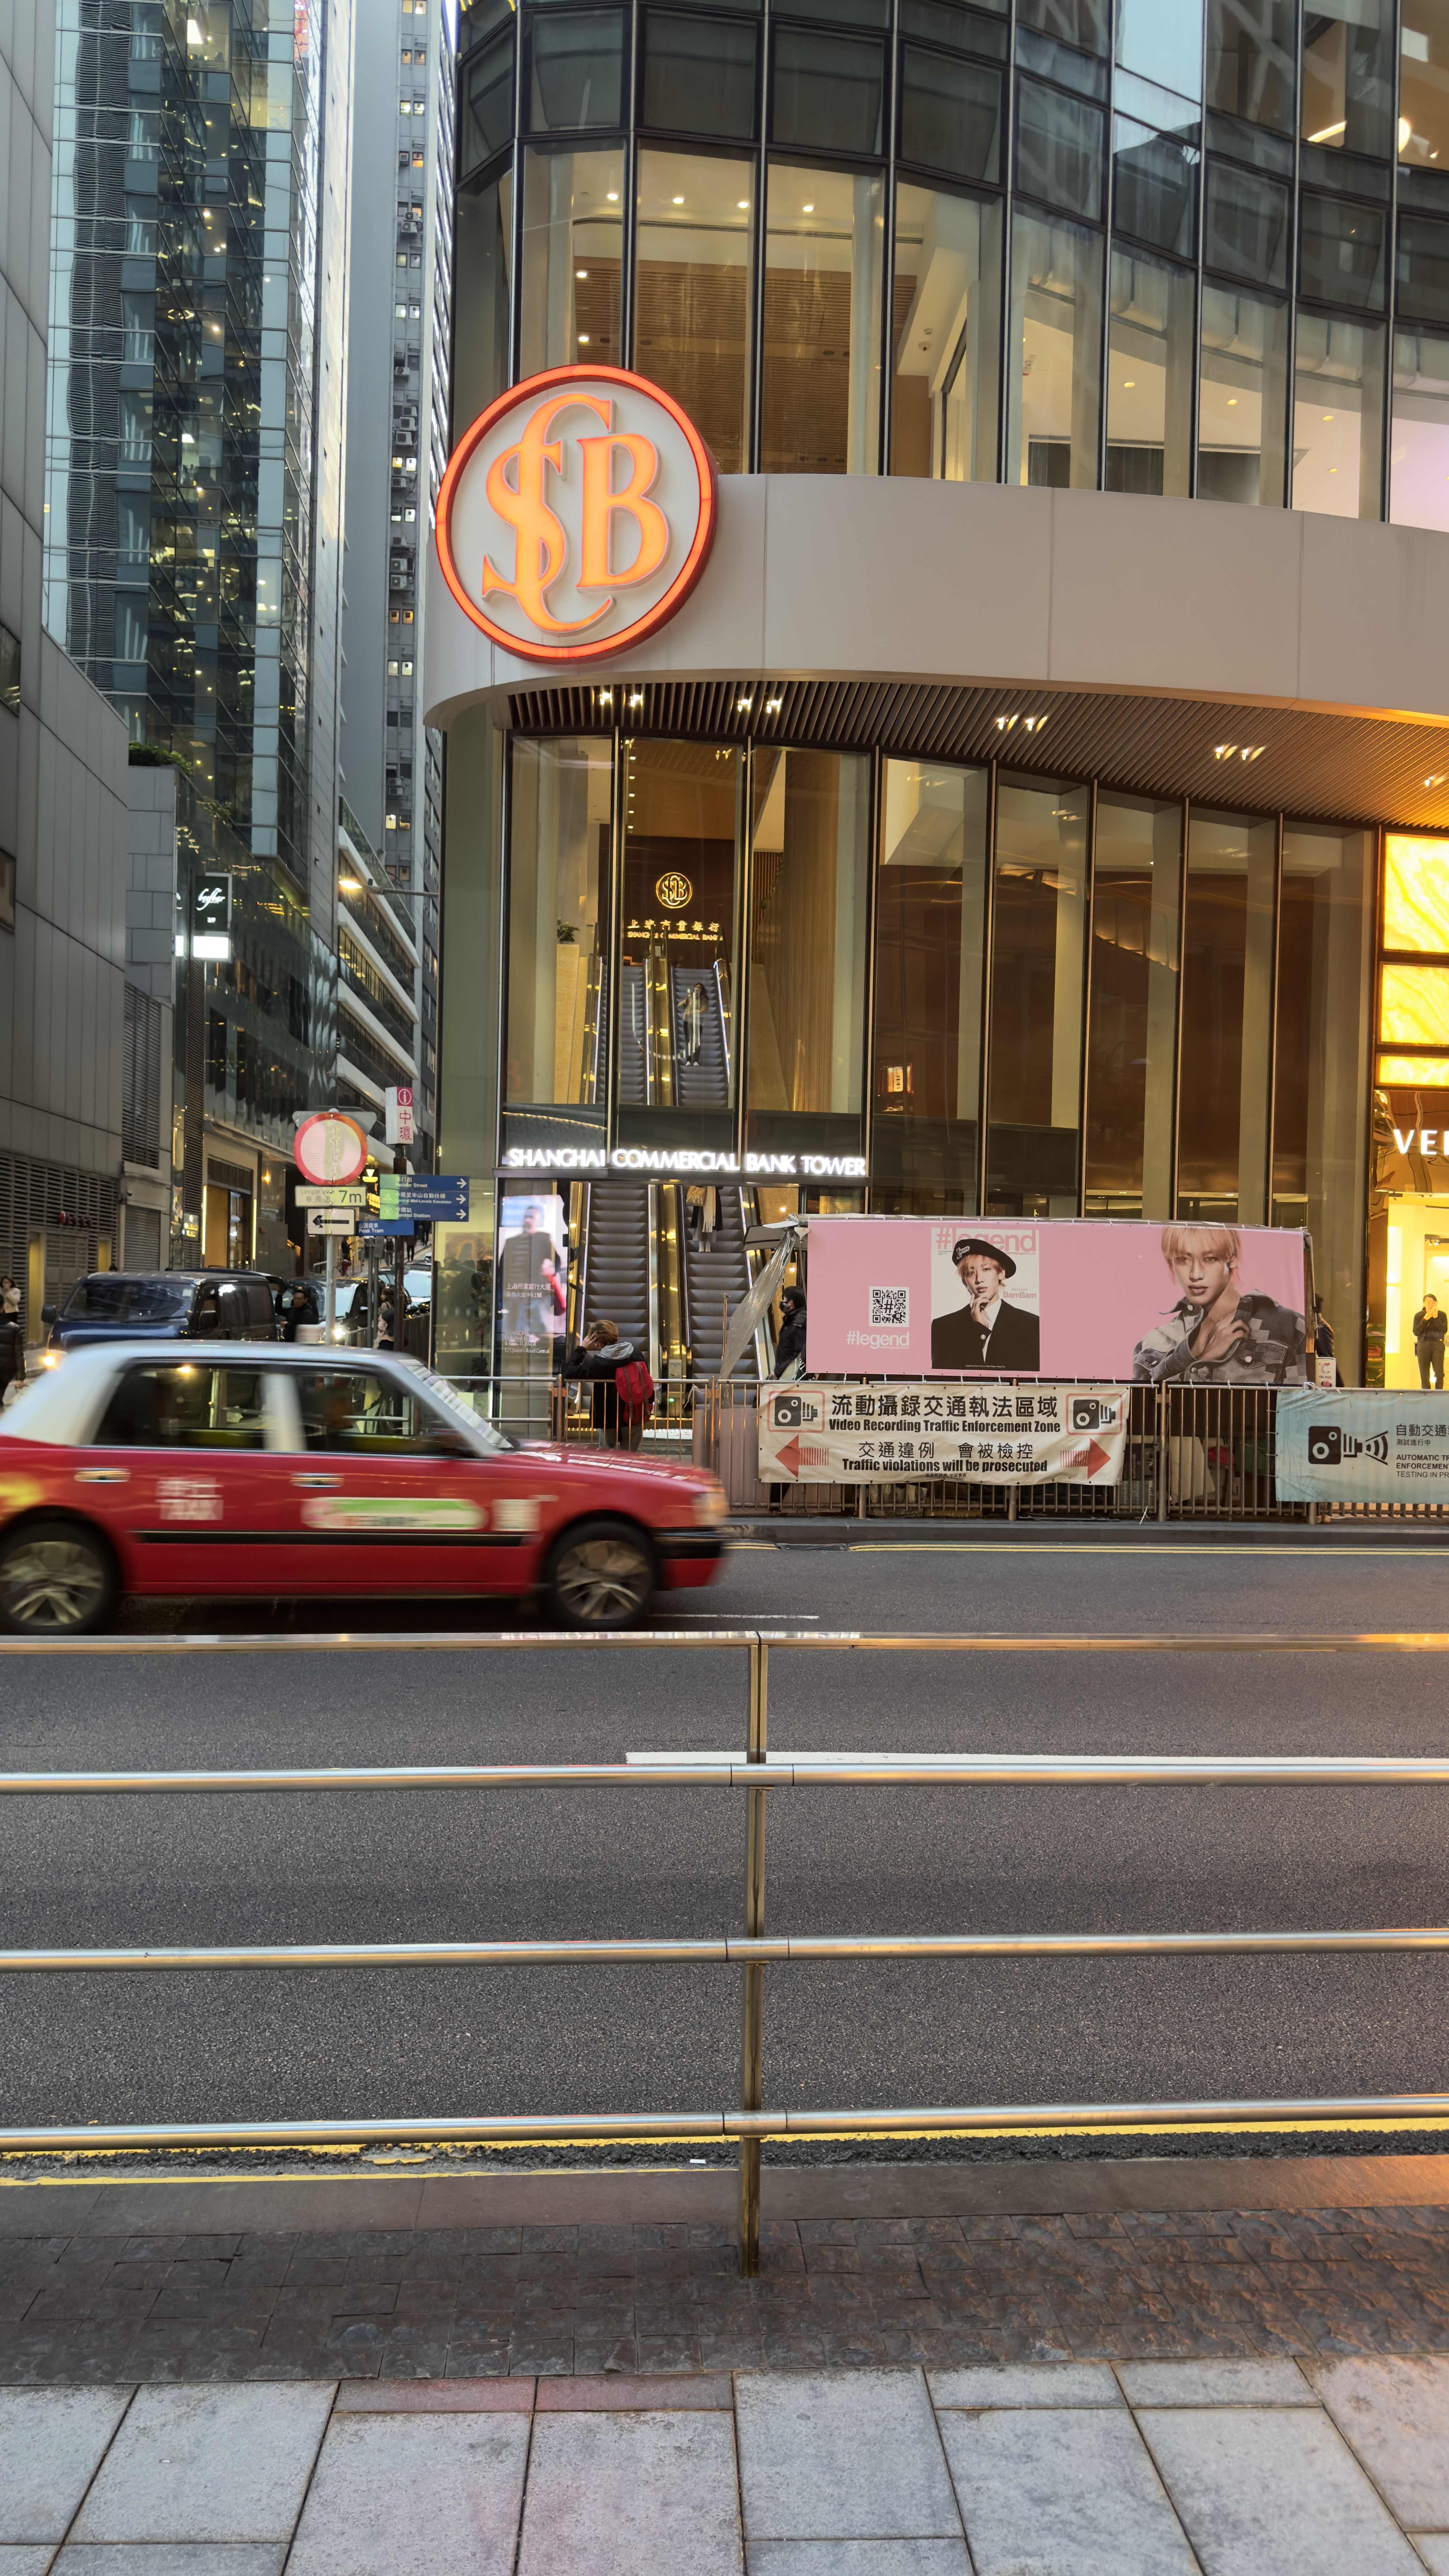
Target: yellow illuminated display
x=1416 y=893
x=1414 y=1009
x=1424 y=1072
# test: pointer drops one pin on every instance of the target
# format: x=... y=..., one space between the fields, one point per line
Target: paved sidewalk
x=477 y=2302
x=1231 y=2468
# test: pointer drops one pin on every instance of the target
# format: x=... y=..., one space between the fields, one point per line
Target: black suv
x=163 y=1306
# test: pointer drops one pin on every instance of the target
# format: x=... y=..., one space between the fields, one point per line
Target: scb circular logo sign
x=577 y=514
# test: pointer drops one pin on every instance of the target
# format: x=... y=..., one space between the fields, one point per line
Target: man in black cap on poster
x=988 y=1333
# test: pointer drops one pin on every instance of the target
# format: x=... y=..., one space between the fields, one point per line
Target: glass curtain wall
x=1243 y=398
x=692 y=293
x=808 y=902
x=1227 y=1018
x=1055 y=344
x=929 y=959
x=1419 y=439
x=821 y=359
x=678 y=1054
x=1424 y=85
x=1132 y=1028
x=1149 y=376
x=1038 y=961
x=1338 y=398
x=558 y=901
x=1348 y=76
x=573 y=259
x=946 y=336
x=1322 y=1060
x=484 y=252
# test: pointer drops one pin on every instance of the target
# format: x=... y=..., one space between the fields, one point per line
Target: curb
x=838 y=1532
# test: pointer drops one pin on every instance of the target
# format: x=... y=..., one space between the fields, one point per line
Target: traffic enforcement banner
x=1363 y=1445
x=859 y=1435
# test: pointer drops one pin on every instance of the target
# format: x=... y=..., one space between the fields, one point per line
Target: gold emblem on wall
x=674 y=891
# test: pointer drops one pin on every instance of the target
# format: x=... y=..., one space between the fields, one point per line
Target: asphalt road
x=449 y=2043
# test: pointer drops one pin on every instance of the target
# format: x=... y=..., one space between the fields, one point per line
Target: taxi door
x=386 y=1496
x=186 y=1471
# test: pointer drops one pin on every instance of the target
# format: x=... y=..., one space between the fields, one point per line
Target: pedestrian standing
x=790 y=1347
x=12 y=1351
x=1429 y=1330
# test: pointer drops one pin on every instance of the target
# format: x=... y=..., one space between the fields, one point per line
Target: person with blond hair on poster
x=1217 y=1333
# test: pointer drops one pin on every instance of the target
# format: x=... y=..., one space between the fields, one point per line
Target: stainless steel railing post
x=752 y=2043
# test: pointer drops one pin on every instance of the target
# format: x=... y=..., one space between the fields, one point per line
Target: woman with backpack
x=622 y=1388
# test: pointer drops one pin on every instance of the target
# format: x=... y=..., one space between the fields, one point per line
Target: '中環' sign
x=576 y=515
x=848 y=1435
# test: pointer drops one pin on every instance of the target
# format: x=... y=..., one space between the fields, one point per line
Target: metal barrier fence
x=759 y=1774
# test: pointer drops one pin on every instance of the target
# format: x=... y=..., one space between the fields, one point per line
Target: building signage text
x=663 y=1164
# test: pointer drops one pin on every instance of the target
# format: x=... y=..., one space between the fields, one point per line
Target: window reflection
x=1154 y=187
x=1227 y=993
x=1243 y=398
x=930 y=915
x=1337 y=417
x=1348 y=75
x=945 y=336
x=558 y=881
x=699 y=75
x=692 y=313
x=828 y=92
x=950 y=115
x=1072 y=22
x=1132 y=1041
x=1161 y=40
x=1250 y=69
x=1053 y=364
x=1059 y=148
x=1149 y=377
x=1038 y=958
x=677 y=1048
x=1424 y=83
x=824 y=255
x=578 y=69
x=484 y=258
x=807 y=937
x=573 y=232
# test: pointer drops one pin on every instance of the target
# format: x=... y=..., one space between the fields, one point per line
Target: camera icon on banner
x=1329 y=1445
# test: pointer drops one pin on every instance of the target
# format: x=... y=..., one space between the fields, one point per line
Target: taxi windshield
x=113 y=1298
x=445 y=1393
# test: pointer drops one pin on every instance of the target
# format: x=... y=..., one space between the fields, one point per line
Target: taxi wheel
x=56 y=1580
x=600 y=1575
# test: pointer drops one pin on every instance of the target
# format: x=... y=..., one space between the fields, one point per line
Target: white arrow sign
x=331 y=1220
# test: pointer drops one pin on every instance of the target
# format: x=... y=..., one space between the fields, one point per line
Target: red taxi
x=271 y=1471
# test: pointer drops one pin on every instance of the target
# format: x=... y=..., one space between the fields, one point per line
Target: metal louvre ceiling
x=1339 y=768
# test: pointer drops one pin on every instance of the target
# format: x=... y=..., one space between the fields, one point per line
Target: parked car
x=161 y=1306
x=302 y=1471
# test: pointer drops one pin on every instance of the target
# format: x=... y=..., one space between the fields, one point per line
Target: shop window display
x=811 y=831
x=1227 y=1014
x=1132 y=1035
x=1038 y=961
x=573 y=234
x=824 y=262
x=692 y=292
x=930 y=930
x=946 y=336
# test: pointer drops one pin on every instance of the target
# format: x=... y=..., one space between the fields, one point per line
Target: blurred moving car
x=306 y=1471
x=162 y=1306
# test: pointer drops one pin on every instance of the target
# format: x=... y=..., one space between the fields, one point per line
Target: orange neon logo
x=576 y=514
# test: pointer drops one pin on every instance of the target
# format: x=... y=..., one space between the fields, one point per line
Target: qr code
x=890 y=1305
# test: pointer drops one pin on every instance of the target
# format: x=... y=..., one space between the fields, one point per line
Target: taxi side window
x=362 y=1411
x=183 y=1407
x=206 y=1314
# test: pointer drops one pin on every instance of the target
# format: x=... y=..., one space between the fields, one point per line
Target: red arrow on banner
x=1096 y=1458
x=789 y=1457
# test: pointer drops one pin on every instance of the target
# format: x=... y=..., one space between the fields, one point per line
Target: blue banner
x=1363 y=1445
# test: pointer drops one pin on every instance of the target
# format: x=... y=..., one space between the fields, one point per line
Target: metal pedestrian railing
x=759 y=1774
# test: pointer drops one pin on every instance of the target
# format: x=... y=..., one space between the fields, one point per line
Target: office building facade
x=1052 y=748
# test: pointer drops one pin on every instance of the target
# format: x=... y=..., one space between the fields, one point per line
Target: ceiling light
x=1438 y=779
x=349 y=885
x=676 y=201
x=743 y=706
x=613 y=196
x=1328 y=415
x=773 y=706
x=637 y=699
x=1239 y=750
x=581 y=272
x=1129 y=384
x=1232 y=402
x=606 y=697
x=583 y=339
x=743 y=205
x=809 y=210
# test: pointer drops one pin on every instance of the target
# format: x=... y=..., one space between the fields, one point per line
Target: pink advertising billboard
x=1166 y=1305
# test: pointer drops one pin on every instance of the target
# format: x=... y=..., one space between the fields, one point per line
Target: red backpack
x=634 y=1388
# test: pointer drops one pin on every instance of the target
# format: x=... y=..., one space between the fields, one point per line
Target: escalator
x=716 y=1272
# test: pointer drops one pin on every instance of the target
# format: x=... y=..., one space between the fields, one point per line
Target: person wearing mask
x=1429 y=1329
x=790 y=1347
x=595 y=1363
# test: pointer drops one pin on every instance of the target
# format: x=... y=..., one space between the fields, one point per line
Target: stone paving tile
x=1063 y=2492
x=51 y=2443
x=630 y=2495
x=222 y=2464
x=859 y=2558
x=466 y=2302
x=436 y=2491
x=17 y=2561
x=1259 y=2489
x=198 y=2558
x=1395 y=2416
x=832 y=2458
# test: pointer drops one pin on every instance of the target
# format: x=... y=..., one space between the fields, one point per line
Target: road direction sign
x=373 y=1227
x=330 y=1194
x=429 y=1194
x=325 y=1220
